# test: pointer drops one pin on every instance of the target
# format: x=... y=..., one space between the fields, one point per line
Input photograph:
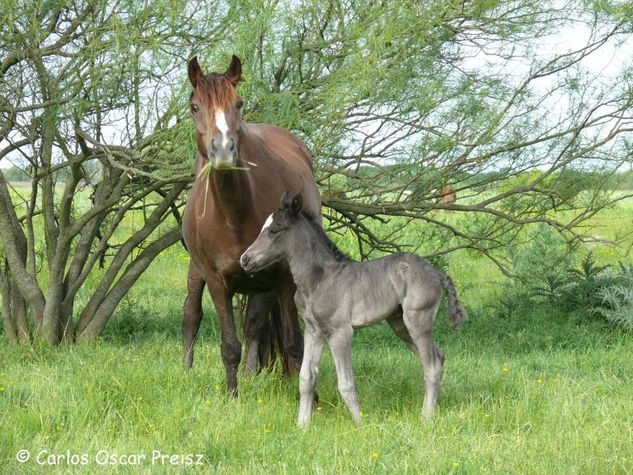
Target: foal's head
x=273 y=241
x=215 y=107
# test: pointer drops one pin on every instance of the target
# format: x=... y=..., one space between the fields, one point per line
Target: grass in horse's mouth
x=205 y=172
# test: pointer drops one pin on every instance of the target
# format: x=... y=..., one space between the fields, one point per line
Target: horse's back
x=283 y=142
x=290 y=168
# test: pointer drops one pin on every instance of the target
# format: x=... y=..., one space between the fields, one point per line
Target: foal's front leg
x=312 y=352
x=341 y=347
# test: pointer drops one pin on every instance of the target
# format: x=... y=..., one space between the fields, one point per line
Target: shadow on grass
x=132 y=323
x=538 y=329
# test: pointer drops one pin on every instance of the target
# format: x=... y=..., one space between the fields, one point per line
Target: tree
x=400 y=99
x=88 y=90
x=396 y=100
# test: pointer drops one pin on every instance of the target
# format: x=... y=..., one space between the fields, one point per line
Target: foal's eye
x=239 y=104
x=194 y=108
x=274 y=230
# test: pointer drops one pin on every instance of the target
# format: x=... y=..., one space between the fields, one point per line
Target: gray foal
x=337 y=295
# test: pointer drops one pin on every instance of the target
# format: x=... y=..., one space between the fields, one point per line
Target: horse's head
x=272 y=243
x=215 y=107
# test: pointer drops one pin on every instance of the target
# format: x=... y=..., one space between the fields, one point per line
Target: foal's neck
x=308 y=256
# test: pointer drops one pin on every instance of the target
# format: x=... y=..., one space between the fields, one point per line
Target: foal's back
x=368 y=292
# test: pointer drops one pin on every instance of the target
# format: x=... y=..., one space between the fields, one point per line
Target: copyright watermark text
x=107 y=457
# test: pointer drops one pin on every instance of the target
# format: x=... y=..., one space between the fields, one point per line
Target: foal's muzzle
x=248 y=264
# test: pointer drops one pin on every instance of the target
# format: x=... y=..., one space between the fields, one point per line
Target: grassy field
x=537 y=392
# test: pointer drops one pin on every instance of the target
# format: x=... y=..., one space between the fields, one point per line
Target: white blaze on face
x=267 y=223
x=220 y=123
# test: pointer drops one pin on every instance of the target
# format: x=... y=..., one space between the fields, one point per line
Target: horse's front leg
x=192 y=314
x=312 y=352
x=292 y=341
x=231 y=349
x=340 y=342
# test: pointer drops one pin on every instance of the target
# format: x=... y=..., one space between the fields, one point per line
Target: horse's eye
x=194 y=108
x=274 y=230
x=239 y=104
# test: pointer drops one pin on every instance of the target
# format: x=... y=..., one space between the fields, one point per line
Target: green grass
x=536 y=394
x=532 y=392
x=539 y=393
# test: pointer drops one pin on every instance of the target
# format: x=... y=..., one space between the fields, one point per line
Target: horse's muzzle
x=224 y=161
x=222 y=153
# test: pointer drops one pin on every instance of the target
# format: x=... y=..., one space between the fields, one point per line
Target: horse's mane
x=324 y=238
x=216 y=91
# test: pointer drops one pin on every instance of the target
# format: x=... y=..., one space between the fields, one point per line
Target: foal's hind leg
x=400 y=329
x=192 y=314
x=419 y=324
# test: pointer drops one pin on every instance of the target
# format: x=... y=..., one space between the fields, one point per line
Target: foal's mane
x=216 y=91
x=324 y=239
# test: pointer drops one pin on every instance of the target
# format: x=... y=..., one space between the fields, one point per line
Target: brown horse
x=241 y=171
x=447 y=195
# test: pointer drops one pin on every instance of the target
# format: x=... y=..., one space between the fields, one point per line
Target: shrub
x=616 y=300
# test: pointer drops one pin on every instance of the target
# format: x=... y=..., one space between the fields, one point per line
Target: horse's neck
x=231 y=189
x=231 y=194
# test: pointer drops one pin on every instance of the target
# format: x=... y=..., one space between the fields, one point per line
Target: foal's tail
x=456 y=312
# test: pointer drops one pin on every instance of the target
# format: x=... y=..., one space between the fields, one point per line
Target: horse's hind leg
x=192 y=314
x=292 y=340
x=257 y=330
x=419 y=324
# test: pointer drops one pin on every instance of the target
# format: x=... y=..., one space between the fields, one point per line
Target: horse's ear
x=285 y=201
x=297 y=204
x=234 y=73
x=194 y=70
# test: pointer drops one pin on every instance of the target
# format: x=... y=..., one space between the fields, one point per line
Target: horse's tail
x=456 y=312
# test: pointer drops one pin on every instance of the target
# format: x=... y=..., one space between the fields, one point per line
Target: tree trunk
x=93 y=325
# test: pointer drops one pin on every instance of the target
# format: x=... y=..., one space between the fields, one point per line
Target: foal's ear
x=297 y=204
x=234 y=73
x=285 y=201
x=194 y=70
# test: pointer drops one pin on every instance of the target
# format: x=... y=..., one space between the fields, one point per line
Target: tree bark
x=97 y=321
